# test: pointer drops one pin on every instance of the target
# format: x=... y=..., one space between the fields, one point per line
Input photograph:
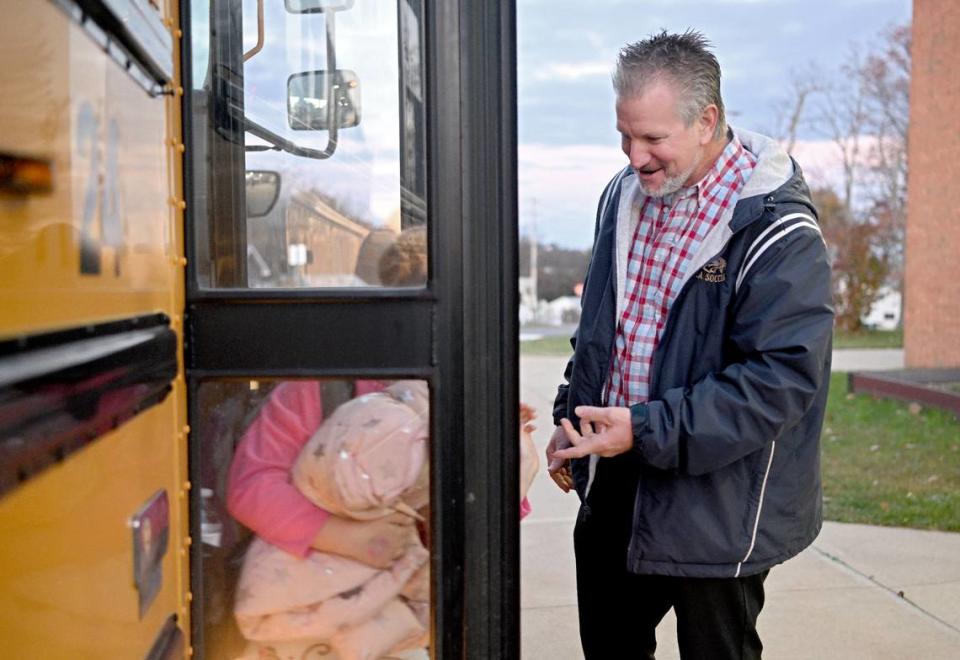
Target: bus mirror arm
x=284 y=144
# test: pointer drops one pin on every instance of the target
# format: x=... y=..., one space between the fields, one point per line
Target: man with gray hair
x=690 y=419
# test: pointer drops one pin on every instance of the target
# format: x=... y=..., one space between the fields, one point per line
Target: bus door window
x=319 y=106
x=307 y=171
x=298 y=479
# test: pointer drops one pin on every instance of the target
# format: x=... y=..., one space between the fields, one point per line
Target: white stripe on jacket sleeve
x=753 y=256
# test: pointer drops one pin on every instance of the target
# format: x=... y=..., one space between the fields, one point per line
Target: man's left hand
x=606 y=432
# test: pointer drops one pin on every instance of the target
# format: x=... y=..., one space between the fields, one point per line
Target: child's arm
x=261 y=496
x=377 y=543
x=529 y=460
x=259 y=492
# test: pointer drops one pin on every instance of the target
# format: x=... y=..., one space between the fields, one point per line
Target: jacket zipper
x=768 y=205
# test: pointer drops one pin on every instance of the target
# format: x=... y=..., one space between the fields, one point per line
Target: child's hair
x=371 y=250
x=404 y=263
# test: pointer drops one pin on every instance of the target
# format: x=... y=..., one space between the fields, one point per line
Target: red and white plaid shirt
x=668 y=234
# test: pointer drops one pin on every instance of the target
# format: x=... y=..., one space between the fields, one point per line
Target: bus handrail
x=260 y=40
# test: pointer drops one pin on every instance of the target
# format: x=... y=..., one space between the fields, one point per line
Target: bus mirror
x=263 y=189
x=317 y=6
x=323 y=100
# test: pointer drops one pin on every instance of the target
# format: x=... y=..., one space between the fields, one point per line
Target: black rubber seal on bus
x=61 y=391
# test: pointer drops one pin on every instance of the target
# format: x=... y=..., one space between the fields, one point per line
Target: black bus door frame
x=460 y=332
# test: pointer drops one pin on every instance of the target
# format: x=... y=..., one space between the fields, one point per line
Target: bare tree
x=842 y=115
x=886 y=78
x=804 y=85
x=863 y=108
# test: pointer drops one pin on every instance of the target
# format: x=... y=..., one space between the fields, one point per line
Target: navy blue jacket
x=726 y=454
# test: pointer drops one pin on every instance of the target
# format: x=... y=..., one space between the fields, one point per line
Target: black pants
x=619 y=611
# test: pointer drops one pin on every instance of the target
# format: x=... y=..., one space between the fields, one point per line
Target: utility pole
x=533 y=251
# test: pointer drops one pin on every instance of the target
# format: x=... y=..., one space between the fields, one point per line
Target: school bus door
x=316 y=131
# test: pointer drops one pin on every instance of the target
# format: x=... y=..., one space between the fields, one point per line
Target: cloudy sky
x=569 y=147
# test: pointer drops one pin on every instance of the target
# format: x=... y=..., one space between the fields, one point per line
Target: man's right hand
x=377 y=543
x=558 y=468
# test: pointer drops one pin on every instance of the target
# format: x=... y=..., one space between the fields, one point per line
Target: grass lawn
x=547 y=346
x=884 y=465
x=865 y=339
x=868 y=339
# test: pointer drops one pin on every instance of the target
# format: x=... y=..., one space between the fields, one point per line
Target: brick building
x=932 y=295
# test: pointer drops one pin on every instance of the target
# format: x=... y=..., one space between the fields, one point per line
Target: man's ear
x=708 y=123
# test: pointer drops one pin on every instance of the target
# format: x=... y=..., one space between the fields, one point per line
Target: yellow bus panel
x=90 y=233
x=100 y=244
x=66 y=566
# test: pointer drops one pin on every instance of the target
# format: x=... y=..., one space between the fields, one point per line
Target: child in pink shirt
x=260 y=494
x=367 y=460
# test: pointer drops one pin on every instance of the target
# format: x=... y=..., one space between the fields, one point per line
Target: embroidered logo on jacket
x=715 y=271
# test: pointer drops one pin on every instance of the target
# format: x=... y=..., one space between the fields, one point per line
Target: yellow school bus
x=93 y=514
x=194 y=195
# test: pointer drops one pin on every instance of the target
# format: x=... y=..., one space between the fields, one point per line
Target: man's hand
x=376 y=543
x=559 y=468
x=606 y=432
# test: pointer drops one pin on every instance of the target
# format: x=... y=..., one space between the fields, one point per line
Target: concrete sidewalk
x=858 y=592
x=867 y=359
